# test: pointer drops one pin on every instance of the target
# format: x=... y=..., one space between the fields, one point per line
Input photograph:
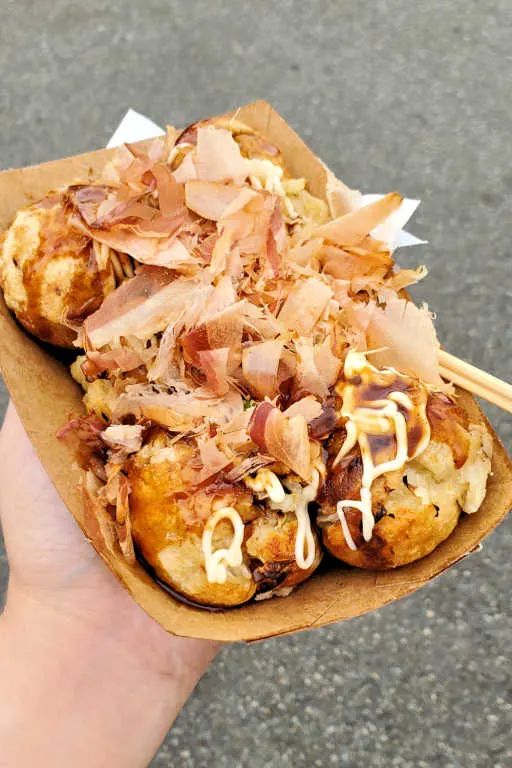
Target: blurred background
x=392 y=95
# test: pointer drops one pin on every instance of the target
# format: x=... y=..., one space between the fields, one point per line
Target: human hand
x=87 y=677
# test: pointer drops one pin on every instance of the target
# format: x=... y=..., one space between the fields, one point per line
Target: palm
x=48 y=555
x=52 y=564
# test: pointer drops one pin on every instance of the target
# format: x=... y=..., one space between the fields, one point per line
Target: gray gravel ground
x=393 y=94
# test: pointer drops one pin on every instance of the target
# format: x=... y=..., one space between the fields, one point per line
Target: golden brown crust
x=49 y=273
x=252 y=143
x=449 y=424
x=416 y=508
x=172 y=544
x=407 y=531
x=410 y=521
x=168 y=519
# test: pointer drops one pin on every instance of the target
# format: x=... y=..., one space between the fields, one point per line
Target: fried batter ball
x=254 y=146
x=168 y=518
x=252 y=143
x=49 y=273
x=415 y=508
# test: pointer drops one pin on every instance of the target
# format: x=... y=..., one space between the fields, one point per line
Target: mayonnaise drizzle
x=217 y=562
x=297 y=501
x=382 y=417
x=305 y=548
x=176 y=150
x=266 y=482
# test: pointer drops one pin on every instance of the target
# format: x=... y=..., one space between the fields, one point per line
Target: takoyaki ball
x=271 y=547
x=101 y=395
x=49 y=274
x=298 y=204
x=252 y=144
x=415 y=508
x=168 y=521
x=405 y=530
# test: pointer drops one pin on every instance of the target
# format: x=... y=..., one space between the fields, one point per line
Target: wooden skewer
x=476 y=381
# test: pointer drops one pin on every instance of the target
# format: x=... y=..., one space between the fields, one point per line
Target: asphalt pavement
x=393 y=94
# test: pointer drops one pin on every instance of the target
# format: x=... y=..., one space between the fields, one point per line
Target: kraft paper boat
x=44 y=394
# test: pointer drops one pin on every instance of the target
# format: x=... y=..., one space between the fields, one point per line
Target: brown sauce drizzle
x=383 y=447
x=375 y=391
x=57 y=240
x=344 y=481
x=449 y=424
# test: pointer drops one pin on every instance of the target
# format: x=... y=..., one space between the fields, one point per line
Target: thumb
x=38 y=529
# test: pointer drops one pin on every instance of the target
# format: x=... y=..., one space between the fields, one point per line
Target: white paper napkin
x=134 y=127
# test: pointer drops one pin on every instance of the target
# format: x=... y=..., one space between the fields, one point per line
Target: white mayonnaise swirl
x=217 y=562
x=374 y=417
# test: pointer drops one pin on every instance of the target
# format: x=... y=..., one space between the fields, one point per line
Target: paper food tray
x=45 y=394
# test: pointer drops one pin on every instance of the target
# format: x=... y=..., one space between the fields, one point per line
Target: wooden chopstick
x=476 y=381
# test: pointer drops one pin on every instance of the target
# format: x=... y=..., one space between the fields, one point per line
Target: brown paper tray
x=45 y=394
